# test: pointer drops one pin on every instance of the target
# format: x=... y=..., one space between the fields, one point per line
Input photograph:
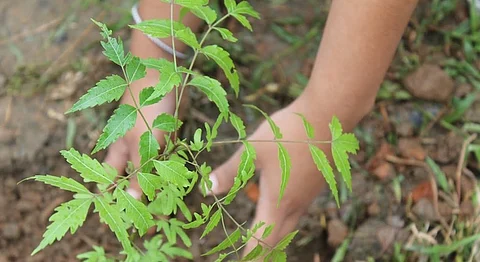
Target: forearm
x=357 y=47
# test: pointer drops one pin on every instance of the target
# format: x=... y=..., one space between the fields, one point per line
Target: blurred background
x=417 y=144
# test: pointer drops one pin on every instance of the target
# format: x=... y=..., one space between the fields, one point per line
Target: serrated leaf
x=226 y=34
x=230 y=5
x=135 y=70
x=105 y=31
x=282 y=244
x=135 y=211
x=173 y=171
x=187 y=37
x=68 y=216
x=214 y=220
x=97 y=255
x=191 y=3
x=64 y=183
x=166 y=122
x=238 y=11
x=254 y=254
x=88 y=168
x=277 y=256
x=323 y=166
x=275 y=129
x=285 y=165
x=169 y=78
x=149 y=183
x=246 y=168
x=245 y=8
x=268 y=230
x=244 y=21
x=148 y=149
x=105 y=91
x=205 y=13
x=308 y=127
x=222 y=58
x=122 y=120
x=158 y=28
x=185 y=210
x=113 y=50
x=145 y=95
x=237 y=183
x=228 y=242
x=211 y=133
x=237 y=123
x=341 y=144
x=112 y=217
x=214 y=91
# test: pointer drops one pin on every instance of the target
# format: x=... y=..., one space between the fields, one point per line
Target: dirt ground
x=49 y=56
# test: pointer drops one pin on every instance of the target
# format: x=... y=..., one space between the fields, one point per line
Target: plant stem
x=135 y=102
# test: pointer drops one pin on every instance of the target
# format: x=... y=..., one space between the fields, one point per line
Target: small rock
x=337 y=232
x=405 y=129
x=421 y=191
x=11 y=231
x=424 y=210
x=373 y=209
x=430 y=82
x=384 y=171
x=411 y=148
x=395 y=221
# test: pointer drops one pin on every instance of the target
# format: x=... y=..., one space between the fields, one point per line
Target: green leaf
x=135 y=70
x=277 y=256
x=149 y=183
x=98 y=255
x=213 y=132
x=246 y=168
x=191 y=3
x=214 y=220
x=268 y=230
x=308 y=127
x=254 y=254
x=145 y=95
x=323 y=166
x=226 y=34
x=439 y=174
x=113 y=48
x=197 y=143
x=122 y=120
x=285 y=165
x=222 y=58
x=460 y=106
x=228 y=242
x=237 y=123
x=105 y=31
x=205 y=13
x=275 y=129
x=158 y=28
x=112 y=217
x=64 y=183
x=166 y=122
x=245 y=8
x=105 y=91
x=68 y=216
x=169 y=78
x=286 y=240
x=238 y=11
x=135 y=210
x=214 y=91
x=173 y=172
x=341 y=144
x=148 y=149
x=188 y=37
x=88 y=168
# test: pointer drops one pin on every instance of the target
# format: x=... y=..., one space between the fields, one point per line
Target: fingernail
x=134 y=193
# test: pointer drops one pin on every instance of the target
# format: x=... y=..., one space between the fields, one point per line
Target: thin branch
x=461 y=161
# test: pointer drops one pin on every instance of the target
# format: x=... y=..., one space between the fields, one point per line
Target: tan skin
x=358 y=44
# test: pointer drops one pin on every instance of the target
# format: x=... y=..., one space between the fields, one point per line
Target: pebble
x=430 y=82
x=337 y=232
x=424 y=210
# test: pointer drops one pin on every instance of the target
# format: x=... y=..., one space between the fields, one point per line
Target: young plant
x=163 y=175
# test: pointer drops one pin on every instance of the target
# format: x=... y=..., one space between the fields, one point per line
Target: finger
x=223 y=176
x=117 y=156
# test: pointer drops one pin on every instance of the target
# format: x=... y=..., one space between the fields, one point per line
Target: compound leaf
x=105 y=91
x=122 y=120
x=68 y=216
x=88 y=168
